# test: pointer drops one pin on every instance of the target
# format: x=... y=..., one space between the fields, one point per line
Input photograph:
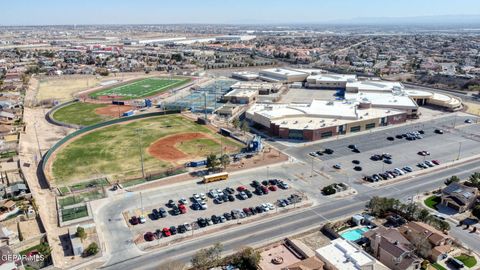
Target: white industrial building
x=282 y=75
x=245 y=75
x=329 y=81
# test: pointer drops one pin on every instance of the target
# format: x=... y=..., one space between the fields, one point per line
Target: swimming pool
x=354 y=235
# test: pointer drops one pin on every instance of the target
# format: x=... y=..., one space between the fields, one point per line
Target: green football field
x=142 y=88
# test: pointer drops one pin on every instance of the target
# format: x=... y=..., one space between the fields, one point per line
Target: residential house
x=459 y=197
x=440 y=242
x=391 y=248
x=7 y=237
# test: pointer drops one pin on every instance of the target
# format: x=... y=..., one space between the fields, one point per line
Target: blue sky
x=31 y=12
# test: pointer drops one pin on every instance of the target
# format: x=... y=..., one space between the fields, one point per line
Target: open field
x=115 y=150
x=85 y=114
x=473 y=108
x=142 y=88
x=64 y=88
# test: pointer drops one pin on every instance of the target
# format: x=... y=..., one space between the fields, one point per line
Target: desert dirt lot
x=64 y=88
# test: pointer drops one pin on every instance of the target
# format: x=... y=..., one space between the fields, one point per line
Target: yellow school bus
x=215 y=177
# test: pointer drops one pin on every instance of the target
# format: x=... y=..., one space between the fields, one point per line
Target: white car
x=265 y=207
x=196 y=197
x=270 y=206
x=243 y=195
x=222 y=219
x=220 y=192
x=187 y=226
x=183 y=201
x=203 y=205
x=202 y=195
x=142 y=219
x=399 y=171
x=213 y=193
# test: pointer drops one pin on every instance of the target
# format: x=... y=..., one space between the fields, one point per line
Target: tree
x=212 y=162
x=236 y=123
x=225 y=160
x=452 y=179
x=422 y=246
x=247 y=258
x=207 y=257
x=474 y=179
x=81 y=233
x=245 y=127
x=423 y=215
x=92 y=249
x=328 y=190
x=476 y=211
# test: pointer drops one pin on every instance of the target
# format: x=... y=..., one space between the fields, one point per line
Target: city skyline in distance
x=52 y=12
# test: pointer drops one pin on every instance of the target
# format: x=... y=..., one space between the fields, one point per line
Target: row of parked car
x=390 y=174
x=321 y=152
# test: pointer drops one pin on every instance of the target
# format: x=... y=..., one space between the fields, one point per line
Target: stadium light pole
x=139 y=131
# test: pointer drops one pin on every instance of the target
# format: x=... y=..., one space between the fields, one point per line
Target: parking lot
x=456 y=143
x=213 y=208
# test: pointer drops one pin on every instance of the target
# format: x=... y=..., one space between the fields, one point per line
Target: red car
x=264 y=190
x=241 y=188
x=149 y=236
x=182 y=208
x=166 y=232
x=272 y=188
x=436 y=162
x=134 y=220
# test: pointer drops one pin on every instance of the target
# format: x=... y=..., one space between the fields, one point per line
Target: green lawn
x=81 y=197
x=80 y=113
x=74 y=213
x=468 y=261
x=438 y=266
x=114 y=150
x=142 y=88
x=432 y=201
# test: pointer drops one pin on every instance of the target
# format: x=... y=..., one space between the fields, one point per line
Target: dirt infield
x=113 y=110
x=164 y=148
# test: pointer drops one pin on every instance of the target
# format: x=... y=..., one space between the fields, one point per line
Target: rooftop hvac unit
x=310 y=121
x=295 y=122
x=330 y=103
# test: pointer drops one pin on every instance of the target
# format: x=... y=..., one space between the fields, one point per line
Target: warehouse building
x=282 y=75
x=321 y=119
x=329 y=81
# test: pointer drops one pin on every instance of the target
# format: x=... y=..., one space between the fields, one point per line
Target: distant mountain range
x=425 y=20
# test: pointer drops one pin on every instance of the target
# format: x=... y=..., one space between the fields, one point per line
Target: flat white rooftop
x=241 y=93
x=345 y=256
x=333 y=77
x=383 y=99
x=282 y=72
x=373 y=85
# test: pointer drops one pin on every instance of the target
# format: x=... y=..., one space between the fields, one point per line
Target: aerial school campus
x=265 y=149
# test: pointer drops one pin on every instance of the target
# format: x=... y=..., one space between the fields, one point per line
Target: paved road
x=279 y=227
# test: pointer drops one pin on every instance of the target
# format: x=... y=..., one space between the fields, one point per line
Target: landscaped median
x=467 y=260
x=432 y=201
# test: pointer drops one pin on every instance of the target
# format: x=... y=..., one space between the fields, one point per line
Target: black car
x=399 y=136
x=273 y=182
x=229 y=190
x=231 y=198
x=259 y=209
x=328 y=151
x=175 y=211
x=227 y=215
x=170 y=203
x=438 y=131
x=253 y=210
x=356 y=161
x=388 y=161
x=255 y=183
x=265 y=182
x=390 y=138
x=155 y=214
x=356 y=150
x=248 y=192
x=376 y=157
x=352 y=146
x=421 y=131
x=201 y=222
x=258 y=191
x=173 y=230
x=215 y=219
x=162 y=212
x=357 y=168
x=181 y=229
x=320 y=153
